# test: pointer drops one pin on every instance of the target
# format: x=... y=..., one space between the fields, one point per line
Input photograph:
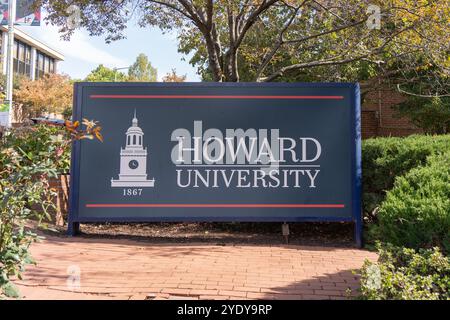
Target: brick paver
x=125 y=269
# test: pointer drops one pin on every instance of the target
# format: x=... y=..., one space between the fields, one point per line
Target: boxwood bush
x=384 y=159
x=406 y=274
x=416 y=212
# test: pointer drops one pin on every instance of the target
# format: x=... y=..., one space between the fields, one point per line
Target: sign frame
x=356 y=175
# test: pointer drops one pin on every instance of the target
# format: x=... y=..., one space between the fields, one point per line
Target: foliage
x=268 y=40
x=406 y=274
x=25 y=166
x=67 y=113
x=104 y=74
x=17 y=80
x=142 y=70
x=430 y=114
x=384 y=159
x=416 y=212
x=91 y=131
x=40 y=143
x=173 y=77
x=29 y=156
x=50 y=94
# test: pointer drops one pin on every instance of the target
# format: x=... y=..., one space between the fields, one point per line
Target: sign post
x=9 y=57
x=218 y=152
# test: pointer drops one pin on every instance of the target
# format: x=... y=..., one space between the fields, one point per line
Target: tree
x=104 y=74
x=17 y=80
x=142 y=70
x=430 y=114
x=50 y=94
x=272 y=39
x=173 y=77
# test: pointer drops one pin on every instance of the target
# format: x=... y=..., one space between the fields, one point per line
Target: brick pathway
x=124 y=269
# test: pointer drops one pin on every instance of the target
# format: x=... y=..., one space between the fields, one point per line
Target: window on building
x=44 y=64
x=40 y=60
x=52 y=65
x=21 y=58
x=15 y=48
x=28 y=60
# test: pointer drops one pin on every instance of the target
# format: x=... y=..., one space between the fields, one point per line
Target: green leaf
x=10 y=290
x=28 y=155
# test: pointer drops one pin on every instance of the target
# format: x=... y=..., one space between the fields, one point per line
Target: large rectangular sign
x=218 y=152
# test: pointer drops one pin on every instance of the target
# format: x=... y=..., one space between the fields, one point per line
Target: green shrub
x=28 y=157
x=40 y=143
x=404 y=274
x=416 y=212
x=24 y=193
x=384 y=159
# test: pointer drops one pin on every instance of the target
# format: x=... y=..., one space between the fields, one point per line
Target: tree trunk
x=214 y=59
x=231 y=66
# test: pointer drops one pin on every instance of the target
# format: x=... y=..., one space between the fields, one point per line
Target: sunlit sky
x=84 y=53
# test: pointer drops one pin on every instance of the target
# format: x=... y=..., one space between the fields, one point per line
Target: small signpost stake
x=285 y=231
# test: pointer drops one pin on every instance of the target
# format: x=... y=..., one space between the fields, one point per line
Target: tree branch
x=269 y=55
x=252 y=19
x=330 y=61
x=421 y=95
x=173 y=7
x=193 y=13
x=337 y=29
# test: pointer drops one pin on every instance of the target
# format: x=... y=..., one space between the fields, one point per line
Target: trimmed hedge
x=406 y=274
x=384 y=159
x=416 y=212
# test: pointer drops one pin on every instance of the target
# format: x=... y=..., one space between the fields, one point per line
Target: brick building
x=378 y=118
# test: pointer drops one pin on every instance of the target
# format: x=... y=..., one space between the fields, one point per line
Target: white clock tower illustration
x=133 y=160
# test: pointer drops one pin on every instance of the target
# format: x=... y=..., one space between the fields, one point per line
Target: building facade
x=31 y=57
x=379 y=118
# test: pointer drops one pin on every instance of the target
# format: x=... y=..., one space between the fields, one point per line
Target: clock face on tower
x=133 y=164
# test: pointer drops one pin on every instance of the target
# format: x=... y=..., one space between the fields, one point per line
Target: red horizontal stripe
x=143 y=96
x=207 y=205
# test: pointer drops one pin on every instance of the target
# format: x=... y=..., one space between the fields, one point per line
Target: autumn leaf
x=89 y=123
x=86 y=136
x=99 y=136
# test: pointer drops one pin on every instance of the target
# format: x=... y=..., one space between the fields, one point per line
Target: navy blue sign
x=218 y=152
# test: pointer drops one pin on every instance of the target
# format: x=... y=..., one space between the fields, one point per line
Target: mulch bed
x=220 y=233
